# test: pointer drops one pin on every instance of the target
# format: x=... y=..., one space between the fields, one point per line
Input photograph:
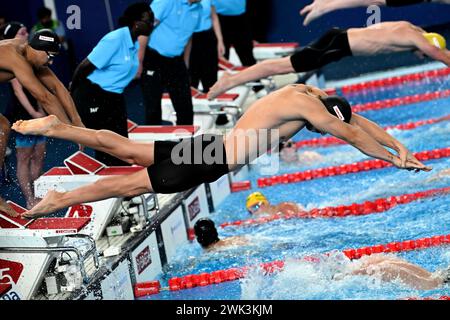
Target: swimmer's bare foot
x=41 y=126
x=6 y=208
x=51 y=203
x=220 y=86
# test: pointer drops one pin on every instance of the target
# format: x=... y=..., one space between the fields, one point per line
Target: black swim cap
x=338 y=107
x=45 y=40
x=206 y=232
x=9 y=31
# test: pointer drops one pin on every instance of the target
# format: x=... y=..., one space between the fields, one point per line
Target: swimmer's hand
x=316 y=9
x=411 y=164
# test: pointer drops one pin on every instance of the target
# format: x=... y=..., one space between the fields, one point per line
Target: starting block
x=155 y=133
x=80 y=170
x=263 y=51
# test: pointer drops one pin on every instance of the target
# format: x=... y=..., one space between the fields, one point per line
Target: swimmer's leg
x=391 y=269
x=101 y=140
x=118 y=186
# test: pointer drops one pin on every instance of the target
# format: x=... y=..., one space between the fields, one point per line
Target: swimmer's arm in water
x=258 y=71
x=49 y=79
x=27 y=78
x=84 y=69
x=383 y=138
x=24 y=102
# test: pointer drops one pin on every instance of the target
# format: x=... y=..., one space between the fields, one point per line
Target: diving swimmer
x=336 y=44
x=172 y=167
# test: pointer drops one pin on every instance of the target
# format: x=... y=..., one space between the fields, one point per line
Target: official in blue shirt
x=207 y=46
x=164 y=67
x=236 y=29
x=100 y=80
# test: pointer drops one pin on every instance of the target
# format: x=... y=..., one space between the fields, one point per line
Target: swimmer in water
x=289 y=154
x=385 y=37
x=206 y=158
x=208 y=238
x=257 y=204
x=440 y=175
x=390 y=268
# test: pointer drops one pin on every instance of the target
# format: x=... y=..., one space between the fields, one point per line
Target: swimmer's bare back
x=283 y=110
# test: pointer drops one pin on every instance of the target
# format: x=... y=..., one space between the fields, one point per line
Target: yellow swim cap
x=256 y=198
x=436 y=40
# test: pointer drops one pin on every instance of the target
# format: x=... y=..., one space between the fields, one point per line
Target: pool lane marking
x=367 y=165
x=332 y=141
x=395 y=81
x=355 y=209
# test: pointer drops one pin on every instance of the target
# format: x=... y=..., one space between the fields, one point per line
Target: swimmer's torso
x=280 y=110
x=9 y=50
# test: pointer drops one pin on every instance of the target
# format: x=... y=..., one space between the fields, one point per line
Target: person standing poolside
x=236 y=29
x=163 y=62
x=100 y=80
x=206 y=48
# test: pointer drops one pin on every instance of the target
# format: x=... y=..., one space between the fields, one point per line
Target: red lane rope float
x=397 y=80
x=329 y=141
x=356 y=209
x=345 y=169
x=390 y=103
x=226 y=275
x=428 y=298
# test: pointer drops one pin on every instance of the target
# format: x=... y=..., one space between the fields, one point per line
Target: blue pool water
x=295 y=238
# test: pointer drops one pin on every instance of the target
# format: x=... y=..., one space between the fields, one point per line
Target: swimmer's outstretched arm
x=354 y=135
x=101 y=140
x=119 y=186
x=320 y=7
x=391 y=269
x=384 y=138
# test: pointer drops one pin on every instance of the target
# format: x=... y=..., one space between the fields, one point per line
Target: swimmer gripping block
x=436 y=40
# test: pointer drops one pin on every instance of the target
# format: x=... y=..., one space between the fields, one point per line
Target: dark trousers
x=237 y=32
x=100 y=109
x=162 y=73
x=203 y=64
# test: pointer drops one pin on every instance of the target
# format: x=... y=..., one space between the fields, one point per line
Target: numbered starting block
x=28 y=247
x=80 y=170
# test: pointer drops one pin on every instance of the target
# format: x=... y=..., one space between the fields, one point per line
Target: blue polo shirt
x=178 y=20
x=116 y=60
x=205 y=20
x=230 y=7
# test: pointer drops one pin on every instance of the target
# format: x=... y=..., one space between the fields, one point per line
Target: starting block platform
x=155 y=133
x=80 y=169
